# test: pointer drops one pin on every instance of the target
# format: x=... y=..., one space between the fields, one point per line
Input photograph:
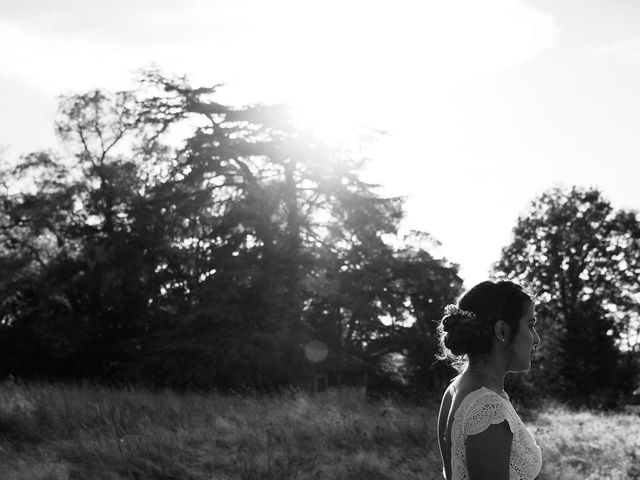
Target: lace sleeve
x=485 y=411
x=477 y=412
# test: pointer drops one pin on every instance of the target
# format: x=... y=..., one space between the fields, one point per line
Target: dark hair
x=462 y=335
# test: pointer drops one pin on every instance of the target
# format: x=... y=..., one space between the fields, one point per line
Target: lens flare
x=316 y=351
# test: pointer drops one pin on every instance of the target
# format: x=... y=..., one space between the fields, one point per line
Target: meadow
x=59 y=432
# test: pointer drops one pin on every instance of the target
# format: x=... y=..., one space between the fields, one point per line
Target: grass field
x=62 y=432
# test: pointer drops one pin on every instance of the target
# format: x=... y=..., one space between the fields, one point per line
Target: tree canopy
x=187 y=243
x=582 y=258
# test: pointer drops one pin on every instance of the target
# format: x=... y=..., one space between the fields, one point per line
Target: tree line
x=185 y=243
x=204 y=259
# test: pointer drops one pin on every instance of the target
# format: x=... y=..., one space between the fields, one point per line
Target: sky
x=486 y=104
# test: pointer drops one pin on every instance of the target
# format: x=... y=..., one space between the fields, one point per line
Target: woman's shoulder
x=483 y=397
x=482 y=408
x=468 y=389
x=474 y=398
x=465 y=396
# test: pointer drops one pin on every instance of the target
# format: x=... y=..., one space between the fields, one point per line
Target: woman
x=489 y=332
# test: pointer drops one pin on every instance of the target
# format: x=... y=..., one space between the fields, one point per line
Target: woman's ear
x=502 y=331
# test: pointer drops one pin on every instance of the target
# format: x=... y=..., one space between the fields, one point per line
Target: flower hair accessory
x=455 y=310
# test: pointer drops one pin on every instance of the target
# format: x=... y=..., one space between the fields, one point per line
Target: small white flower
x=455 y=310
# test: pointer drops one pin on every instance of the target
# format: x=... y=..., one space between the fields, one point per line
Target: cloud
x=629 y=47
x=123 y=22
x=52 y=11
x=282 y=50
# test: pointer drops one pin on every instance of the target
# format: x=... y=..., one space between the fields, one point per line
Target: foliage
x=188 y=243
x=582 y=257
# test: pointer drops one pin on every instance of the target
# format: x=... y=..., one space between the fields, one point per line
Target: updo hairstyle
x=468 y=330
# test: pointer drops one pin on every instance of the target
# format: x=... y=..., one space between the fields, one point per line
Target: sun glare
x=406 y=68
x=375 y=65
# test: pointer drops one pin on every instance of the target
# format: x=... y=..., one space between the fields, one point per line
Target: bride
x=489 y=332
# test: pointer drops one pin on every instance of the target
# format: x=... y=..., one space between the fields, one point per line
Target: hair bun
x=463 y=332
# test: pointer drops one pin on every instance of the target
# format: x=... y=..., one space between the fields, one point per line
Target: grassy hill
x=69 y=432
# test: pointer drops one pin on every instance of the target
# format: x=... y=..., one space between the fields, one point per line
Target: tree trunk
x=293 y=250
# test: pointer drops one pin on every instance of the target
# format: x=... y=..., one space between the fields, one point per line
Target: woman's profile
x=490 y=331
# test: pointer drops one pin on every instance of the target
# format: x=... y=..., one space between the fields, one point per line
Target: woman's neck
x=490 y=370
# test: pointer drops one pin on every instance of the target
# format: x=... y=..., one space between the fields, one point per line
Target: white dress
x=481 y=409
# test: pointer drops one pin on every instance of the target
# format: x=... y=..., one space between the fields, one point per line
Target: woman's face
x=524 y=342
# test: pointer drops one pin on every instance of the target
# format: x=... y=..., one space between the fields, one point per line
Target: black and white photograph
x=323 y=240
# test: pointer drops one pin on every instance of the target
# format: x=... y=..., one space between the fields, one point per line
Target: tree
x=74 y=276
x=428 y=284
x=268 y=204
x=582 y=257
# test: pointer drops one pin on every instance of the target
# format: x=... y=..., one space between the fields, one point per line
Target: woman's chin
x=523 y=368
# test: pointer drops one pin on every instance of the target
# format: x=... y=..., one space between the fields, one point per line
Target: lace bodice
x=481 y=409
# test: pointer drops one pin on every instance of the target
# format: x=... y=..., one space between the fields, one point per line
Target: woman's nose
x=536 y=338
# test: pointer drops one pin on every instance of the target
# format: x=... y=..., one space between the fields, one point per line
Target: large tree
x=582 y=258
x=270 y=205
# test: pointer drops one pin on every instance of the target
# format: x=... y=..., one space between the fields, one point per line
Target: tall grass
x=62 y=432
x=588 y=445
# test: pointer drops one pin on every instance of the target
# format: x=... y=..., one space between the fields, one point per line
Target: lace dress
x=481 y=409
